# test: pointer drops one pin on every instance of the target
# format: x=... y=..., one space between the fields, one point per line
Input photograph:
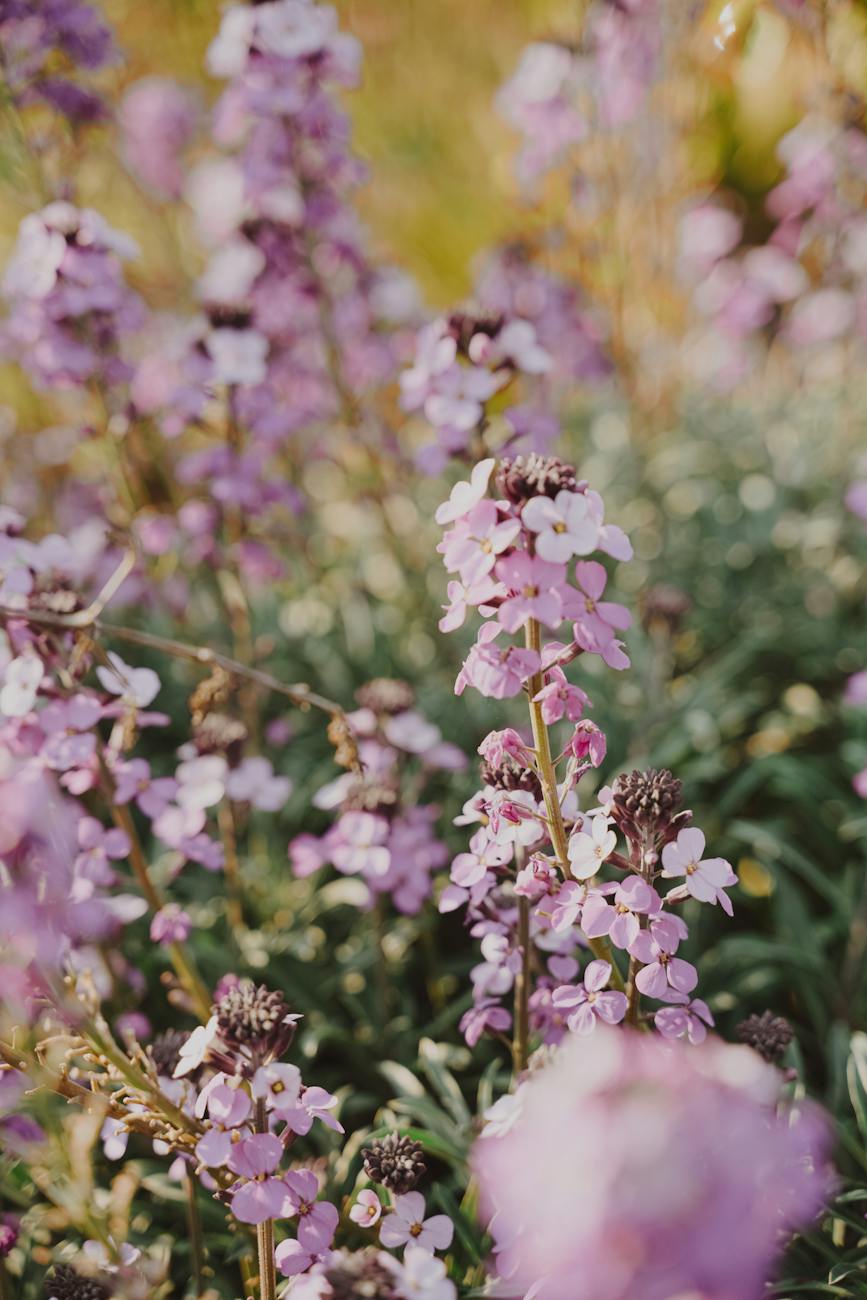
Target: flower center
x=415 y=1230
x=278 y=1087
x=530 y=591
x=691 y=868
x=559 y=528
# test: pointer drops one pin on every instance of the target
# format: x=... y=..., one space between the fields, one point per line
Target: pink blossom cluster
x=805 y=283
x=511 y=556
x=158 y=119
x=296 y=323
x=461 y=363
x=71 y=308
x=631 y=1167
x=383 y=833
x=560 y=93
x=46 y=45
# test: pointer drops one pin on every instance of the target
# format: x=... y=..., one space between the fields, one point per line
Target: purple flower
x=588 y=1002
x=228 y=1110
x=317 y=1220
x=534 y=590
x=171 y=924
x=314 y=1103
x=705 y=879
x=696 y=1156
x=406 y=1225
x=563 y=527
x=662 y=970
x=367 y=1209
x=260 y=1195
x=482 y=1017
x=157 y=120
x=686 y=1019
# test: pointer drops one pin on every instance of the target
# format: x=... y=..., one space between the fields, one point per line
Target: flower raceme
x=533 y=879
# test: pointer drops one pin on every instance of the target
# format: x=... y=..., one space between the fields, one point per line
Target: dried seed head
x=464 y=325
x=254 y=1018
x=217 y=733
x=646 y=804
x=534 y=476
x=63 y=1283
x=165 y=1050
x=509 y=774
x=342 y=738
x=770 y=1035
x=368 y=795
x=395 y=1162
x=386 y=695
x=360 y=1276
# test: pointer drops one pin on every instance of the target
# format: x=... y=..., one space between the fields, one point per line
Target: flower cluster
x=461 y=363
x=558 y=93
x=531 y=880
x=70 y=305
x=383 y=833
x=629 y=1139
x=46 y=45
x=805 y=283
x=296 y=323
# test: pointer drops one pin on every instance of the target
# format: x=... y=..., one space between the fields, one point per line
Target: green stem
x=265 y=1231
x=521 y=1039
x=548 y=781
x=197 y=1243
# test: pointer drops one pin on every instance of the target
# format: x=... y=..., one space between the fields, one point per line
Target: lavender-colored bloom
x=157 y=119
x=681 y=1147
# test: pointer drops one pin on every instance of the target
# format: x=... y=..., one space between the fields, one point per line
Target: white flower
x=230 y=273
x=425 y=1276
x=201 y=782
x=195 y=1049
x=239 y=356
x=587 y=852
x=564 y=527
x=20 y=684
x=138 y=686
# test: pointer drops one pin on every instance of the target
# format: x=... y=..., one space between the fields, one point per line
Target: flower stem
x=521 y=1039
x=548 y=781
x=265 y=1231
x=197 y=1244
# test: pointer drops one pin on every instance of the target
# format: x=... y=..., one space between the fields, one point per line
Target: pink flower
x=569 y=905
x=560 y=698
x=317 y=1220
x=171 y=924
x=485 y=1015
x=367 y=1209
x=535 y=590
x=361 y=846
x=228 y=1109
x=589 y=1000
x=260 y=1196
x=588 y=741
x=314 y=1103
x=472 y=547
x=408 y=1226
x=70 y=741
x=133 y=781
x=633 y=898
x=484 y=853
x=253 y=781
x=596 y=621
x=494 y=672
x=589 y=849
x=279 y=1085
x=662 y=971
x=97 y=846
x=464 y=596
x=706 y=879
x=564 y=527
x=689 y=1019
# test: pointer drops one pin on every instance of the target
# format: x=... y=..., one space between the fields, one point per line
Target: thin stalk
x=265 y=1231
x=232 y=870
x=548 y=781
x=197 y=1241
x=300 y=695
x=182 y=963
x=5 y=1282
x=521 y=1039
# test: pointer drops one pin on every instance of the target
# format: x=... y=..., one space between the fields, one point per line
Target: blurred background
x=748 y=586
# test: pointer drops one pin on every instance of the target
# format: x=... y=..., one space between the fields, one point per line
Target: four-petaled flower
x=407 y=1226
x=367 y=1208
x=588 y=849
x=705 y=879
x=317 y=1220
x=564 y=527
x=591 y=1001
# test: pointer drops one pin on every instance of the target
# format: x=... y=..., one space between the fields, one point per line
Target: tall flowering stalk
x=532 y=879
